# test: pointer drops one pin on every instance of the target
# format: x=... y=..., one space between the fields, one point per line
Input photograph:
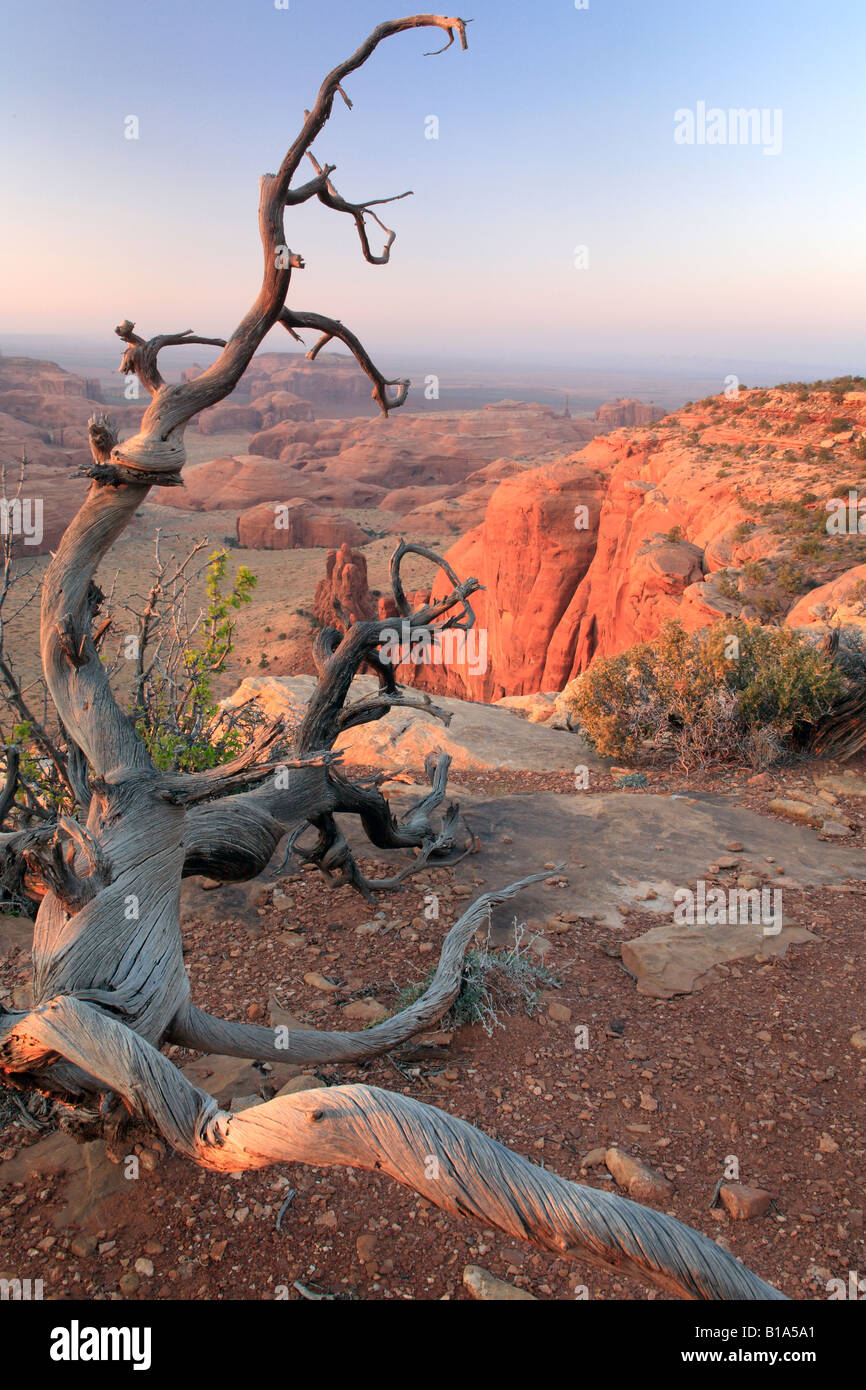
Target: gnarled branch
x=452 y=1164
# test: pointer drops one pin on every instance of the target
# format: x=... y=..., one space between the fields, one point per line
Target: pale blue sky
x=555 y=130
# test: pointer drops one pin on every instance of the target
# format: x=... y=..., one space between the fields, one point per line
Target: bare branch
x=364 y=1127
x=10 y=783
x=140 y=357
x=293 y=319
x=327 y=194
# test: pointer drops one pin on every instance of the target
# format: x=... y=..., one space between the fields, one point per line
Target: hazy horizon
x=556 y=131
x=463 y=383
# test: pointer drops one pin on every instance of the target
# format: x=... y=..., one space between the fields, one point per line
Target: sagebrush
x=736 y=690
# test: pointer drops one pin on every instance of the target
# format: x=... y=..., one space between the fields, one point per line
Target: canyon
x=586 y=533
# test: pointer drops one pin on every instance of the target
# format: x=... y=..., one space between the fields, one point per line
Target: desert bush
x=175 y=710
x=792 y=578
x=728 y=585
x=494 y=982
x=686 y=697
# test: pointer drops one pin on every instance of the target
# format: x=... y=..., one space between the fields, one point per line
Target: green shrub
x=176 y=713
x=792 y=579
x=733 y=690
x=728 y=586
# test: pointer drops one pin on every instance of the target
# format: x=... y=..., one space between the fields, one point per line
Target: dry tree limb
x=204 y=1033
x=449 y=1162
x=10 y=782
x=293 y=319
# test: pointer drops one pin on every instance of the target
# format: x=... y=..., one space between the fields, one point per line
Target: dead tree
x=110 y=987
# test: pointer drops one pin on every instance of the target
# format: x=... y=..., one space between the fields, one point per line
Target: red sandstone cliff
x=726 y=486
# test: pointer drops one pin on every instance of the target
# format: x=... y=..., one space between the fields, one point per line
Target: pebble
x=366 y=1245
x=488 y=1288
x=366 y=1010
x=744 y=1203
x=639 y=1180
x=82 y=1244
x=560 y=1013
x=317 y=981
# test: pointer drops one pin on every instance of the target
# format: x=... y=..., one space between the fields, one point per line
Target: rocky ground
x=753 y=1068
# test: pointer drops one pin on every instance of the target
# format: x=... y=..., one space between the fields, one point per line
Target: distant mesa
x=436 y=469
x=294 y=525
x=615 y=415
x=238 y=482
x=43 y=416
x=279 y=385
x=261 y=414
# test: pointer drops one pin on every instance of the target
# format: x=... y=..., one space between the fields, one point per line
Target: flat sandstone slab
x=480 y=738
x=617 y=848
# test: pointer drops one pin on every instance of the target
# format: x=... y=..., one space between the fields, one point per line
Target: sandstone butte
x=295 y=524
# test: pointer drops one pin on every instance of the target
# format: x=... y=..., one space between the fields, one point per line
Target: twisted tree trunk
x=110 y=987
